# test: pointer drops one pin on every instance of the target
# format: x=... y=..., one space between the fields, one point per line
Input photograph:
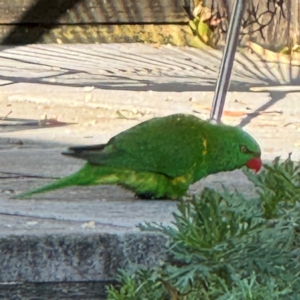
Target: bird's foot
x=149 y=196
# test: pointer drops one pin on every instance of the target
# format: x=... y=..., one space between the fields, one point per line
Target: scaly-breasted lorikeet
x=160 y=158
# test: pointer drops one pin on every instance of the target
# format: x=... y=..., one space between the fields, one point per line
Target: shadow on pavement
x=275 y=97
x=247 y=72
x=43 y=10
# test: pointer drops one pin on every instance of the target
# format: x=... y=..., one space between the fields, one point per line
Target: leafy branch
x=224 y=246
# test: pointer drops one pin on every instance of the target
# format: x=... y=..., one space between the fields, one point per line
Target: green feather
x=161 y=157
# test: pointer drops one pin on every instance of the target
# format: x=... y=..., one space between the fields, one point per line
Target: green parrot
x=160 y=158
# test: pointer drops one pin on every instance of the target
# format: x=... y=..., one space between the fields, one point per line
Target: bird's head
x=253 y=158
x=238 y=147
x=248 y=152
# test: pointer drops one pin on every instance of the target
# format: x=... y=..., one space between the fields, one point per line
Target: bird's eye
x=244 y=149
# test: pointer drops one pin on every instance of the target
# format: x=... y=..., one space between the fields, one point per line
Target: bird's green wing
x=170 y=145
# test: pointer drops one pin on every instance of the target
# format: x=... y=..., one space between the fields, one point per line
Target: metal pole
x=227 y=61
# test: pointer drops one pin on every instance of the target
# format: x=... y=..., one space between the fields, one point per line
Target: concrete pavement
x=84 y=234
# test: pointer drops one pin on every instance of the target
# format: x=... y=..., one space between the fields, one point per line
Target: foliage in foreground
x=223 y=246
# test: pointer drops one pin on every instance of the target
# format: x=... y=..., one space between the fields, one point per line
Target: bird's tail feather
x=88 y=175
x=60 y=183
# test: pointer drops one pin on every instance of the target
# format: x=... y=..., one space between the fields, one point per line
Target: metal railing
x=227 y=61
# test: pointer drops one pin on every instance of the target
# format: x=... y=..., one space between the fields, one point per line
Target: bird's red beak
x=254 y=164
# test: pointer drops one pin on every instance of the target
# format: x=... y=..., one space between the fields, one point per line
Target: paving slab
x=82 y=235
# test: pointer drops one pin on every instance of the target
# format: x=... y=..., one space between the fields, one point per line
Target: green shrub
x=223 y=246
